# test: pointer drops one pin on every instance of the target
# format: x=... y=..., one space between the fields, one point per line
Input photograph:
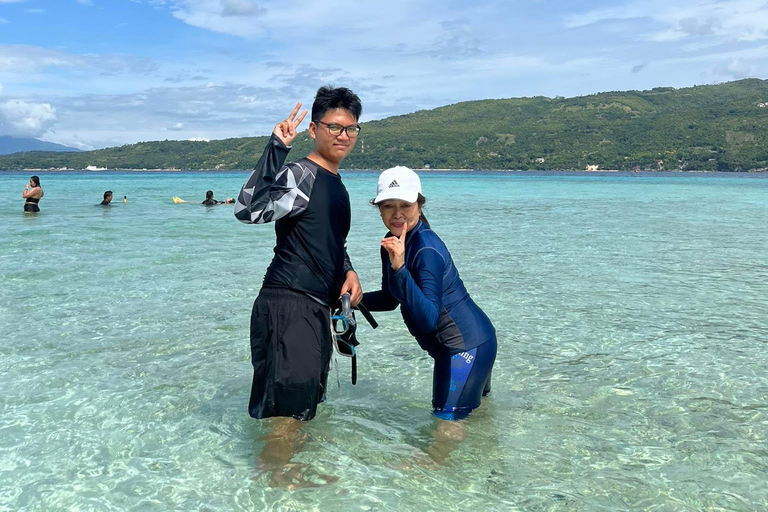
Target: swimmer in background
x=33 y=192
x=209 y=200
x=107 y=199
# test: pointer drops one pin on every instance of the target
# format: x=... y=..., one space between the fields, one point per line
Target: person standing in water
x=419 y=275
x=291 y=343
x=32 y=194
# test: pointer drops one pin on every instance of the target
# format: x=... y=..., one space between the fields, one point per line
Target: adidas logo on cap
x=394 y=184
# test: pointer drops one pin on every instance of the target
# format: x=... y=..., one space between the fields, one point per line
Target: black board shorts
x=291 y=350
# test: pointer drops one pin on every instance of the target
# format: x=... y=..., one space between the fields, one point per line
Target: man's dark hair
x=107 y=194
x=330 y=98
x=209 y=194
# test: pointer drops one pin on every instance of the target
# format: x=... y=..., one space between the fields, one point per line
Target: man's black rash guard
x=310 y=208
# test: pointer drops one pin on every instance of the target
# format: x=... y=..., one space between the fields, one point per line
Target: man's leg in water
x=290 y=351
x=282 y=443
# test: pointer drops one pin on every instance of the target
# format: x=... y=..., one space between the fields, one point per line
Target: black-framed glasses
x=336 y=129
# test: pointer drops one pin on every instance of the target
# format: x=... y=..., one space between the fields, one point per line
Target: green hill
x=714 y=127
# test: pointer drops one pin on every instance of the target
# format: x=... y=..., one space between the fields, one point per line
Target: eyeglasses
x=336 y=129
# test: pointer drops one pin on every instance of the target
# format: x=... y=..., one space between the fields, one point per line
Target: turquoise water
x=631 y=375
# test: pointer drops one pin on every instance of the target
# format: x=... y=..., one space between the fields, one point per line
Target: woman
x=418 y=273
x=33 y=192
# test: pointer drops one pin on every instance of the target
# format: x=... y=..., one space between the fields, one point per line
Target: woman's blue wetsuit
x=442 y=316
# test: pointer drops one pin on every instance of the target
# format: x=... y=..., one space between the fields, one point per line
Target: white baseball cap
x=398 y=183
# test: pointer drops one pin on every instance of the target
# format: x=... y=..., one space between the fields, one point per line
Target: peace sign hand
x=395 y=246
x=286 y=130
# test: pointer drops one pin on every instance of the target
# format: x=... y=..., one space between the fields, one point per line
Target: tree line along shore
x=722 y=127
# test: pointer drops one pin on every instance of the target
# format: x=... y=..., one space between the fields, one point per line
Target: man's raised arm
x=272 y=190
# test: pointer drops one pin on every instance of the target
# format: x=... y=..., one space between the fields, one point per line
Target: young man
x=291 y=342
x=107 y=198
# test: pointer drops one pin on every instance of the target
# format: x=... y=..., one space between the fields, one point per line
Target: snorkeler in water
x=209 y=200
x=107 y=201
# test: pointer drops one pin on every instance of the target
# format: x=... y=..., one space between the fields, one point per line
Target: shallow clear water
x=631 y=375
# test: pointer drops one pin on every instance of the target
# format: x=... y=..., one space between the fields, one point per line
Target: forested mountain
x=10 y=145
x=713 y=127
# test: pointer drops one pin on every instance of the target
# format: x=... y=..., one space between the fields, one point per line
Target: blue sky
x=98 y=73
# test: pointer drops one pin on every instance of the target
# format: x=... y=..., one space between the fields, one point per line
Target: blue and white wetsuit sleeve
x=420 y=288
x=274 y=190
x=381 y=300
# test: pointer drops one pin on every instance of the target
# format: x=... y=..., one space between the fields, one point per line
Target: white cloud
x=755 y=54
x=73 y=143
x=26 y=59
x=155 y=113
x=377 y=24
x=662 y=20
x=12 y=1
x=1 y=88
x=236 y=17
x=34 y=11
x=23 y=59
x=25 y=119
x=712 y=67
x=734 y=69
x=240 y=8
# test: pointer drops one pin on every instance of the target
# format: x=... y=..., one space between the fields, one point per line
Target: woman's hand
x=286 y=130
x=395 y=246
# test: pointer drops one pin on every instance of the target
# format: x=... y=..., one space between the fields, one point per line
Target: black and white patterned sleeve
x=274 y=190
